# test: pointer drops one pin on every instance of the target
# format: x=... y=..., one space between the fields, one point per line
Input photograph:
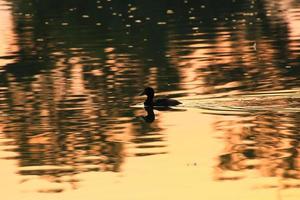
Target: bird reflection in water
x=150 y=117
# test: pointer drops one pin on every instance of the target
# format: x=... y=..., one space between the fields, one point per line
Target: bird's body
x=159 y=102
x=165 y=102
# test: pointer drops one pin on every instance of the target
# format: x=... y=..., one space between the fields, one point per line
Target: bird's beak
x=143 y=93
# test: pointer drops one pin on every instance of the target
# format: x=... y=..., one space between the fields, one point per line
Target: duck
x=160 y=102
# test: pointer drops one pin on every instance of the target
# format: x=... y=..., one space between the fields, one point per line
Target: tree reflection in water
x=265 y=141
x=65 y=96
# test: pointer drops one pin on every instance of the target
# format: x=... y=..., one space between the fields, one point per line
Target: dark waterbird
x=159 y=102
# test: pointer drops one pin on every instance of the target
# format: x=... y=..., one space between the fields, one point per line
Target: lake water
x=71 y=121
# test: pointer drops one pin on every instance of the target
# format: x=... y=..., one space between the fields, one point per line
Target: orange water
x=71 y=121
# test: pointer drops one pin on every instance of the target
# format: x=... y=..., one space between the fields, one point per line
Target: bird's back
x=165 y=102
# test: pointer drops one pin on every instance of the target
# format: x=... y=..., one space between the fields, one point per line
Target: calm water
x=71 y=124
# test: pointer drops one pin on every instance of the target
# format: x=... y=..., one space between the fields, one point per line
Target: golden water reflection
x=67 y=128
x=8 y=38
x=254 y=159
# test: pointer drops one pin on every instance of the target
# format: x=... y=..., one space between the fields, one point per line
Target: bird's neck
x=149 y=100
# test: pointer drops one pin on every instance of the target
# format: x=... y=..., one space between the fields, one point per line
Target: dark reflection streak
x=224 y=114
x=149 y=154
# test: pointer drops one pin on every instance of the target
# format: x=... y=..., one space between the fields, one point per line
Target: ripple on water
x=273 y=101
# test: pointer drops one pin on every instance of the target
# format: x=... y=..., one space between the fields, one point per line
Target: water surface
x=71 y=124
